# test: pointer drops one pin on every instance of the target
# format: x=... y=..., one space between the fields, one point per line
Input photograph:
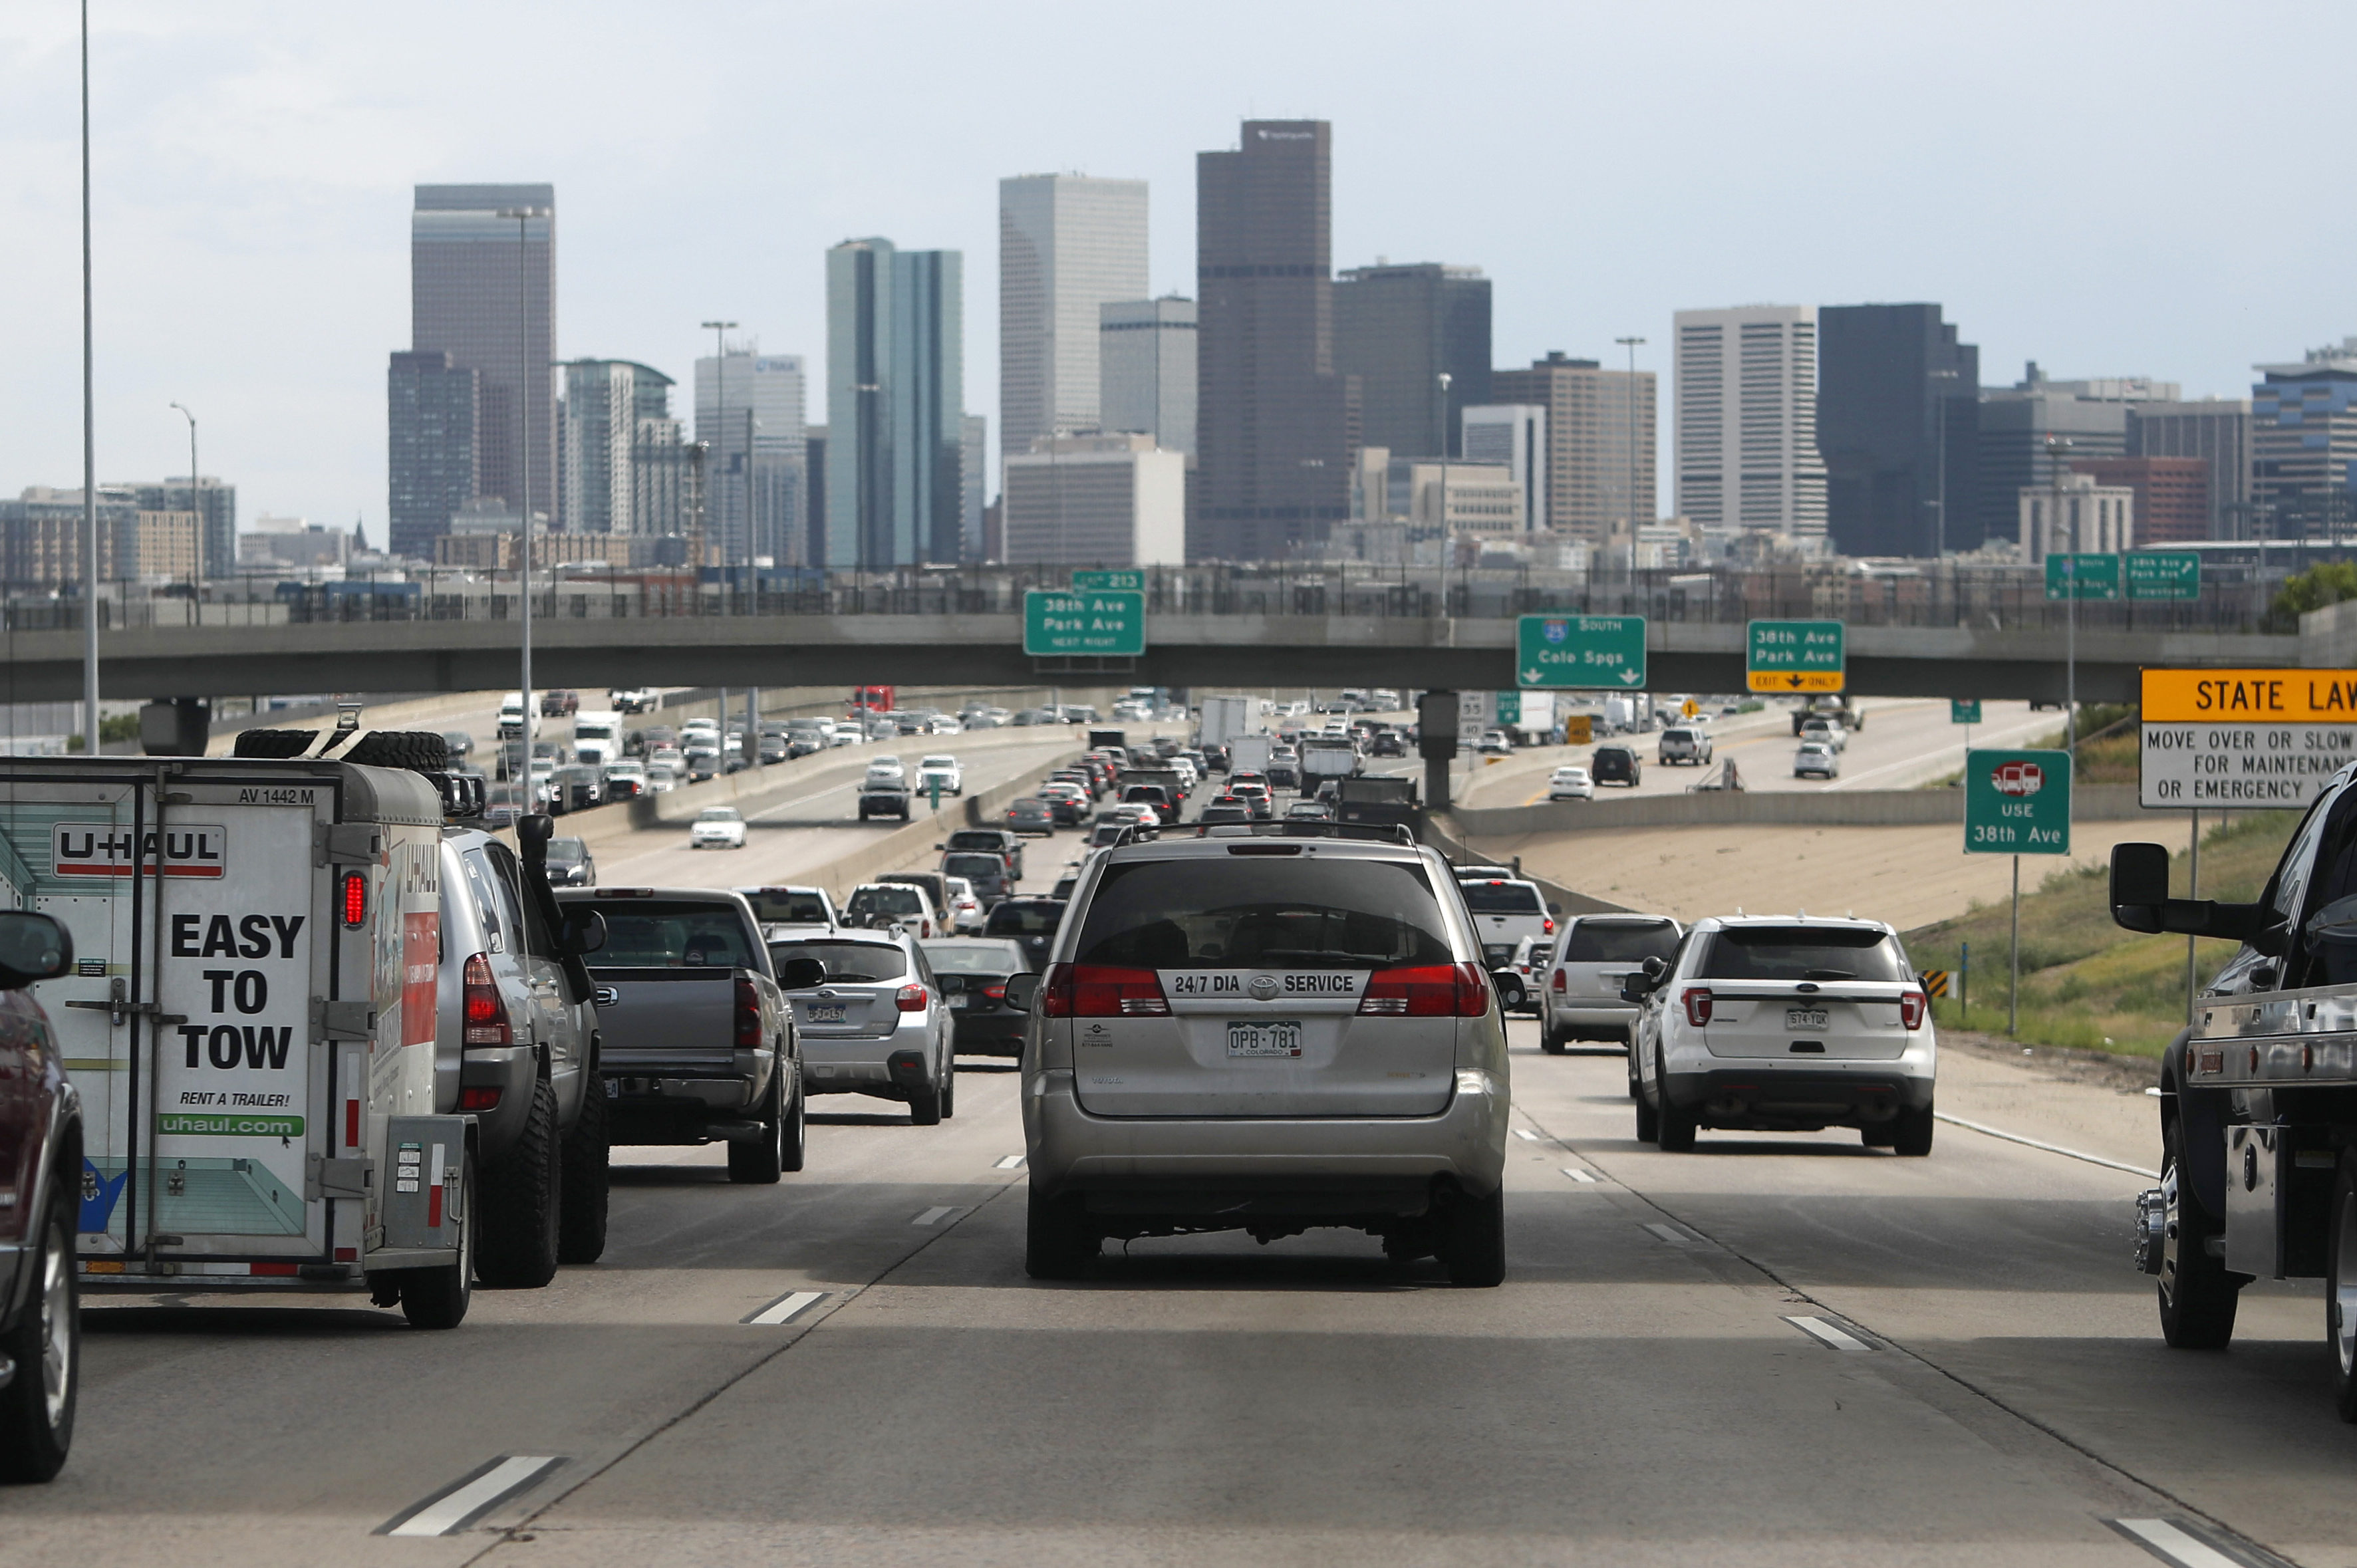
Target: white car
x=942 y=767
x=708 y=728
x=631 y=698
x=1570 y=783
x=661 y=777
x=717 y=827
x=966 y=911
x=1784 y=1023
x=1830 y=731
x=886 y=767
x=1494 y=743
x=1817 y=759
x=788 y=913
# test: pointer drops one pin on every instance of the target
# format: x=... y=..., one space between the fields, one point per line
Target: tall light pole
x=1447 y=545
x=1631 y=344
x=2056 y=445
x=720 y=411
x=524 y=217
x=89 y=440
x=196 y=494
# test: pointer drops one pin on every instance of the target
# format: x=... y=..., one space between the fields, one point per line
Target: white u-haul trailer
x=251 y=1022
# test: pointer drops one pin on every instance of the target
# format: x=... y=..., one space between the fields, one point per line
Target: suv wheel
x=1674 y=1130
x=794 y=1136
x=1059 y=1241
x=925 y=1105
x=1473 y=1240
x=522 y=1204
x=583 y=1186
x=949 y=1085
x=1911 y=1133
x=36 y=1407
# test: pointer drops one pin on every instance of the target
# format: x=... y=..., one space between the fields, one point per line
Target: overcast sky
x=2109 y=188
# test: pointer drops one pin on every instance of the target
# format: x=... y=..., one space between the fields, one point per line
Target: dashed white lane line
x=1526 y=1135
x=1008 y=1163
x=2172 y=1542
x=932 y=1216
x=1675 y=1237
x=1578 y=1175
x=785 y=1309
x=1817 y=1329
x=472 y=1496
x=2050 y=1148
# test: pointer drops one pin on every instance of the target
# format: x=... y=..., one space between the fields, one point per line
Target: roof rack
x=1302 y=828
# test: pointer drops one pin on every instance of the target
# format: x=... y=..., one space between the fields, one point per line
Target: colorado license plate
x=1804 y=1018
x=1264 y=1039
x=825 y=1013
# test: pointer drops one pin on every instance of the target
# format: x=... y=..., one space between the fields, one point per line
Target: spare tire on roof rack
x=272 y=743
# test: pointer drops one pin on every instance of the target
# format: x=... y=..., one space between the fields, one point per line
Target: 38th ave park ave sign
x=1795 y=655
x=1104 y=623
x=2243 y=738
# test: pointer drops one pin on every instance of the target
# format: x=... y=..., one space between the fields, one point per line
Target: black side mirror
x=1654 y=970
x=800 y=974
x=32 y=947
x=1556 y=910
x=1022 y=992
x=2139 y=892
x=585 y=930
x=1510 y=988
x=536 y=829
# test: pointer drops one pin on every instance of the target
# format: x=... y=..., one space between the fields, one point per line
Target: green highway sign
x=2164 y=574
x=1103 y=624
x=1508 y=709
x=2017 y=802
x=1083 y=581
x=1964 y=710
x=1794 y=656
x=1555 y=652
x=2083 y=576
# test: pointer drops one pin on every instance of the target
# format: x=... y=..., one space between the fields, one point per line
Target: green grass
x=2085 y=981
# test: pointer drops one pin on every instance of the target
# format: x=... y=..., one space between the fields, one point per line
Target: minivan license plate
x=1263 y=1039
x=824 y=1013
x=1804 y=1018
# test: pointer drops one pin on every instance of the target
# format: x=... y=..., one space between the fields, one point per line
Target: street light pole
x=2055 y=447
x=720 y=410
x=89 y=440
x=196 y=493
x=1631 y=344
x=1447 y=545
x=524 y=217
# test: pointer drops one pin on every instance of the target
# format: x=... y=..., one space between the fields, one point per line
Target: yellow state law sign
x=2250 y=697
x=1793 y=679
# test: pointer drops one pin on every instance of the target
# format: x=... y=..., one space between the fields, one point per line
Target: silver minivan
x=1593 y=962
x=1247 y=1031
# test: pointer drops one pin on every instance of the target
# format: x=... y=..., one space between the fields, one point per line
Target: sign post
x=1794 y=656
x=1577 y=652
x=1090 y=623
x=2017 y=803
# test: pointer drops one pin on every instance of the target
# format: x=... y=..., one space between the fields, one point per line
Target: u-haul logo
x=104 y=849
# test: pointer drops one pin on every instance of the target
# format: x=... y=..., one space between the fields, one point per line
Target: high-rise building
x=597 y=440
x=213 y=500
x=1600 y=442
x=42 y=539
x=1146 y=370
x=434 y=419
x=483 y=289
x=1067 y=246
x=1747 y=432
x=1276 y=424
x=750 y=412
x=2172 y=495
x=894 y=406
x=1513 y=434
x=1417 y=338
x=814 y=500
x=2074 y=512
x=2304 y=446
x=2031 y=429
x=2217 y=431
x=1898 y=412
x=974 y=484
x=1095 y=500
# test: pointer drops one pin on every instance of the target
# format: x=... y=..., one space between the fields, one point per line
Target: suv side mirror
x=800 y=974
x=2141 y=902
x=32 y=947
x=2139 y=891
x=585 y=930
x=1556 y=910
x=537 y=828
x=1022 y=992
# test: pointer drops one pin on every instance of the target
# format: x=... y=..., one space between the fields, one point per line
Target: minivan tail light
x=1558 y=983
x=1910 y=1009
x=911 y=999
x=1103 y=991
x=484 y=1009
x=1427 y=991
x=749 y=1014
x=1698 y=1004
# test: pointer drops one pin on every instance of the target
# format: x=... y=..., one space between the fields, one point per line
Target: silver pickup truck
x=697 y=1043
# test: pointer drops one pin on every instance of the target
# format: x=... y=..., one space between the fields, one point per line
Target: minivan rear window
x=974 y=839
x=1235 y=913
x=1501 y=898
x=1618 y=941
x=1800 y=952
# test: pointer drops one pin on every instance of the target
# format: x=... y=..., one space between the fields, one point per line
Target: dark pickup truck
x=695 y=1041
x=884 y=797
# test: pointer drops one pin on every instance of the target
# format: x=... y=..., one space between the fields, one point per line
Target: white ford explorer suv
x=1783 y=1023
x=1267 y=1029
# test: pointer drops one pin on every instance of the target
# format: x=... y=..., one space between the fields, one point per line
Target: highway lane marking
x=2050 y=1148
x=2173 y=1542
x=1526 y=1135
x=1675 y=1237
x=785 y=1309
x=1580 y=1175
x=1008 y=1163
x=1817 y=1329
x=472 y=1496
x=932 y=1216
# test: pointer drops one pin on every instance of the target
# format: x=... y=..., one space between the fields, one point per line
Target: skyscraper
x=433 y=416
x=606 y=402
x=215 y=504
x=1898 y=405
x=1513 y=435
x=2217 y=431
x=483 y=289
x=1067 y=244
x=2021 y=424
x=1399 y=330
x=974 y=484
x=1601 y=443
x=749 y=410
x=896 y=409
x=1747 y=434
x=1146 y=370
x=1275 y=426
x=2304 y=448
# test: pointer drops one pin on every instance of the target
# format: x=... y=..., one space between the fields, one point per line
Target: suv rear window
x=1618 y=941
x=990 y=867
x=849 y=962
x=1037 y=917
x=896 y=900
x=1237 y=913
x=1800 y=952
x=1501 y=898
x=663 y=934
x=993 y=842
x=772 y=906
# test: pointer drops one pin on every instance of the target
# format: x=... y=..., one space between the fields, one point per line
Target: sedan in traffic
x=973 y=975
x=1031 y=815
x=717 y=827
x=1570 y=783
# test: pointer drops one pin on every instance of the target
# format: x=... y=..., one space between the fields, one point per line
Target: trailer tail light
x=480 y=1098
x=1697 y=1005
x=911 y=999
x=1103 y=991
x=749 y=1014
x=1910 y=1009
x=353 y=897
x=1427 y=991
x=485 y=1010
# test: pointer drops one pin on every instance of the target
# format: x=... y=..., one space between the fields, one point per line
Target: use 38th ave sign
x=2248 y=738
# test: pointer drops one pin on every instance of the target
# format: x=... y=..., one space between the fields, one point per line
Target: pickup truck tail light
x=1548 y=923
x=1698 y=1004
x=1103 y=991
x=749 y=1014
x=1910 y=1009
x=1427 y=991
x=912 y=999
x=484 y=1009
